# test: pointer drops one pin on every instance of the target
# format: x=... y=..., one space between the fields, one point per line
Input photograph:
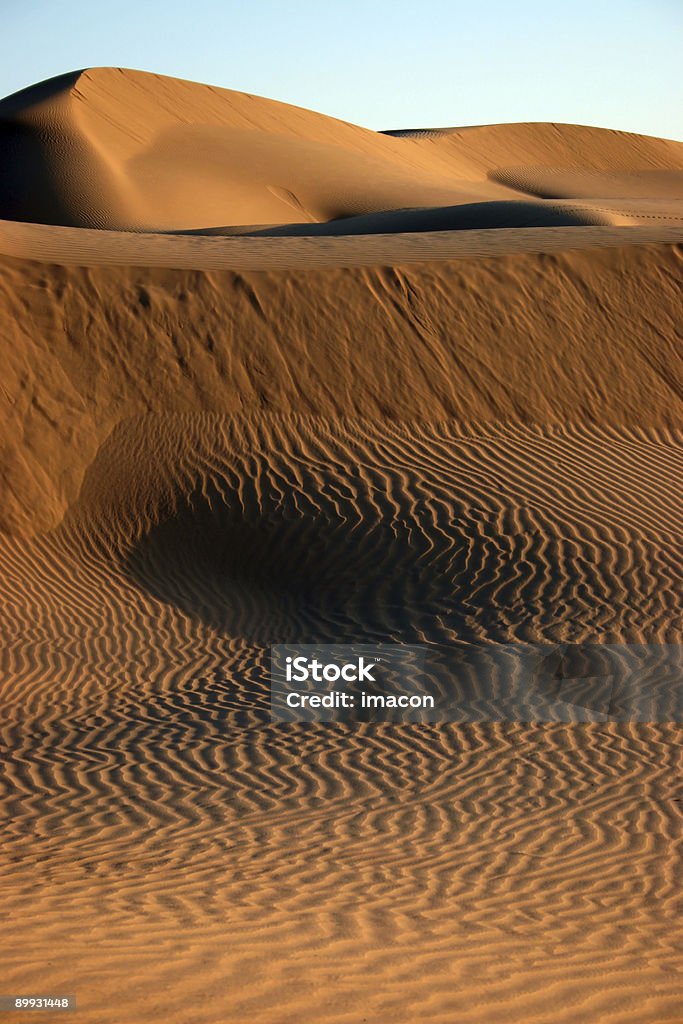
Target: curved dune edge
x=284 y=529
x=90 y=248
x=126 y=150
x=522 y=338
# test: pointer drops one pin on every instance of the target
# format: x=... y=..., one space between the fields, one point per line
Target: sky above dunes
x=424 y=63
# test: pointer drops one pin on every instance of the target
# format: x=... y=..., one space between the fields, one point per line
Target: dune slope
x=555 y=339
x=224 y=462
x=113 y=148
x=439 y=425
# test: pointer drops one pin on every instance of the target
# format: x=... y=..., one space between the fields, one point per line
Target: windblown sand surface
x=454 y=422
x=111 y=148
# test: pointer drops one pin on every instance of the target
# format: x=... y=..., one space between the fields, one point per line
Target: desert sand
x=270 y=377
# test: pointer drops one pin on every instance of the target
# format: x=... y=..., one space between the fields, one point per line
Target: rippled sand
x=465 y=439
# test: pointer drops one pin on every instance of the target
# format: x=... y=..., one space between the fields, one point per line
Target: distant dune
x=271 y=377
x=111 y=148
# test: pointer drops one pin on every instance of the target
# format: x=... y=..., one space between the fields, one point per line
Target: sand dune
x=110 y=148
x=259 y=249
x=174 y=840
x=271 y=377
x=89 y=347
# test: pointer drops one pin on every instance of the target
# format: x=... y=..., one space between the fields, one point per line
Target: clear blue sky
x=382 y=64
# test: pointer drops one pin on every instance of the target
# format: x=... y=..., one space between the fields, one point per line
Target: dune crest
x=129 y=150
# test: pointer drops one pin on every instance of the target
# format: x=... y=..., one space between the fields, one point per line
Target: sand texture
x=268 y=377
x=118 y=149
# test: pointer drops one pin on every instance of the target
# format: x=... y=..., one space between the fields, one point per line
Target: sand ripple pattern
x=86 y=247
x=237 y=870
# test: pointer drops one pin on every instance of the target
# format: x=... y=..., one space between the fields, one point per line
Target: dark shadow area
x=465 y=217
x=474 y=598
x=348 y=574
x=303 y=579
x=16 y=104
x=30 y=187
